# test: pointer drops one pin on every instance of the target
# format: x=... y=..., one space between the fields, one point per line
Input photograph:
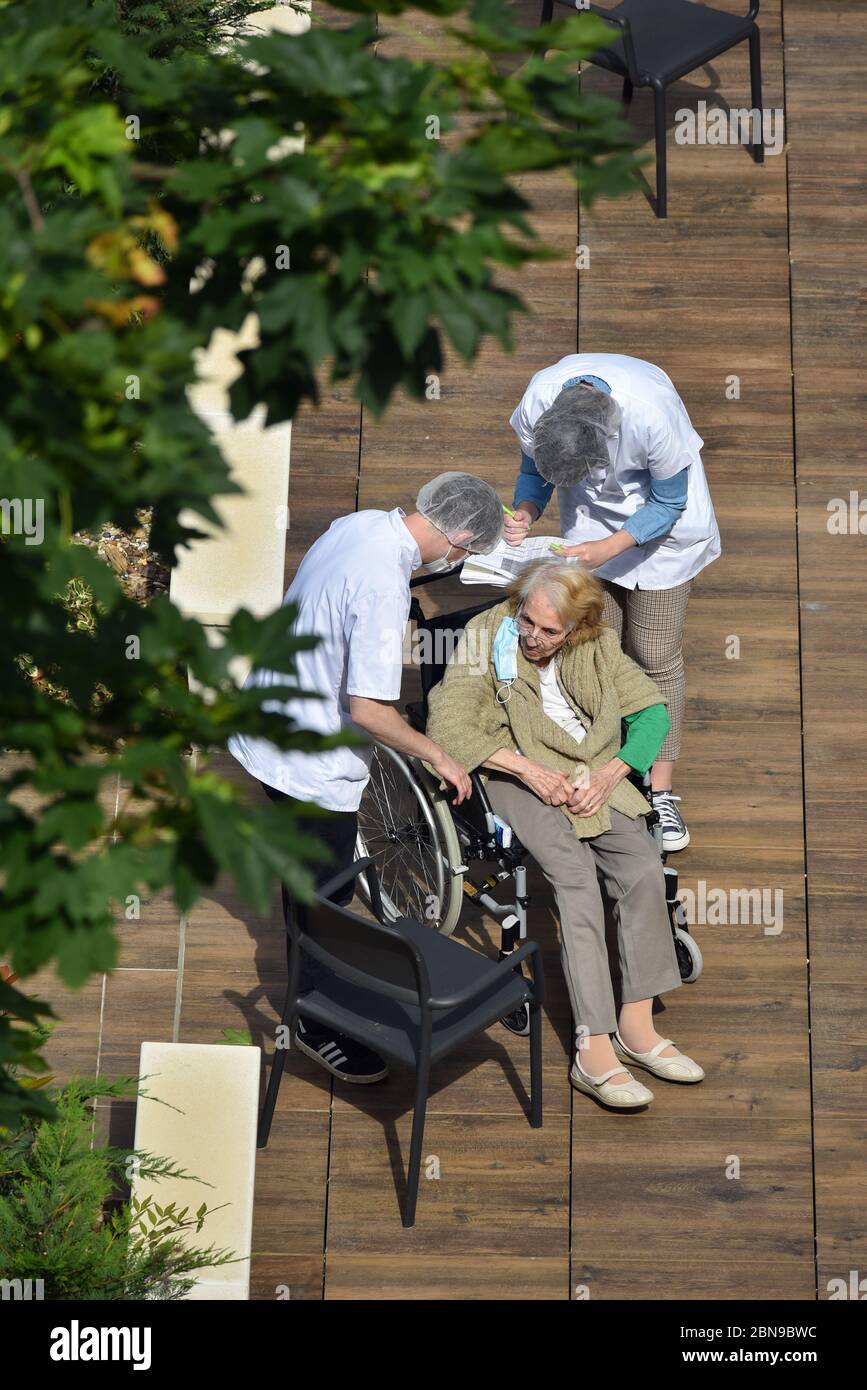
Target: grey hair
x=575 y=594
x=570 y=437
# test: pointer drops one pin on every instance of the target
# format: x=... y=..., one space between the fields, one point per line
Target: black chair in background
x=661 y=41
x=405 y=991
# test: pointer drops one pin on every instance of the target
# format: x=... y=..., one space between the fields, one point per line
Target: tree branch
x=22 y=178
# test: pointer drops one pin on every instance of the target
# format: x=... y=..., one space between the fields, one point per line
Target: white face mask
x=442 y=564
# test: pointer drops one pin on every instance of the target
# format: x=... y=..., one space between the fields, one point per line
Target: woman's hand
x=590 y=796
x=516 y=526
x=596 y=553
x=551 y=787
x=590 y=553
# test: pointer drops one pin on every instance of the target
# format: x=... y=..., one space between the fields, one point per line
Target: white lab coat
x=655 y=440
x=352 y=590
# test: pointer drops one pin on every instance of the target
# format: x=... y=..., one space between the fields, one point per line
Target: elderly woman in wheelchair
x=534 y=697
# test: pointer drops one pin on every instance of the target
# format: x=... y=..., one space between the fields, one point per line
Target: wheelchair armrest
x=479 y=791
x=416 y=712
x=479 y=797
x=464 y=996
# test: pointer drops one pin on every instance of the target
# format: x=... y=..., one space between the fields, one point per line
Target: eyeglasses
x=541 y=634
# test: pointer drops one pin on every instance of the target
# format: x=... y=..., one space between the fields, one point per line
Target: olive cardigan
x=465 y=718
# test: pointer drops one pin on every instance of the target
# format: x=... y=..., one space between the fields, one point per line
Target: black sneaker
x=343 y=1057
x=675 y=835
x=518 y=1021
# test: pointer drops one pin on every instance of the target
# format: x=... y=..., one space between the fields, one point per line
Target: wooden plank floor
x=758 y=274
x=825 y=52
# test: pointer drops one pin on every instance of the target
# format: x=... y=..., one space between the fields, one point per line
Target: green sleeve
x=645 y=734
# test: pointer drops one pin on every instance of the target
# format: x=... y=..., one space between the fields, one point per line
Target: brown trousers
x=627 y=860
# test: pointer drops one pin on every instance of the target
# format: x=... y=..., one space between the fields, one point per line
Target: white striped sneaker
x=342 y=1056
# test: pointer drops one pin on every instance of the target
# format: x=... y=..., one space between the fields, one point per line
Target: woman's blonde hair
x=574 y=593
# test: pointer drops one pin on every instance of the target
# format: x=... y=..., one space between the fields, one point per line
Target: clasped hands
x=583 y=799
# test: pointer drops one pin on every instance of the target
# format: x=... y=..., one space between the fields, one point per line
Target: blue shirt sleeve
x=531 y=486
x=665 y=502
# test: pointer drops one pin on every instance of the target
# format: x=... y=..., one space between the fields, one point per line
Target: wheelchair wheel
x=406 y=827
x=689 y=958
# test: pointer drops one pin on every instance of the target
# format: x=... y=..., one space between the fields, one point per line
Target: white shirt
x=555 y=704
x=655 y=440
x=352 y=590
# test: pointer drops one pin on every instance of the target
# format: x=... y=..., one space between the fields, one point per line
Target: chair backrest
x=369 y=954
x=438 y=638
x=620 y=32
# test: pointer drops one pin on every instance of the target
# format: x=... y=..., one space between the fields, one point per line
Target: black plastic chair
x=405 y=991
x=663 y=40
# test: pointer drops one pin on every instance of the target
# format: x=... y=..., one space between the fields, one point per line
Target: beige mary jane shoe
x=625 y=1095
x=677 y=1068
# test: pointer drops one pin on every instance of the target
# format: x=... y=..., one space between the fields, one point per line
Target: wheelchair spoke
x=397 y=830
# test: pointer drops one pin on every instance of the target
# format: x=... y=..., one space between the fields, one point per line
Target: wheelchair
x=426 y=850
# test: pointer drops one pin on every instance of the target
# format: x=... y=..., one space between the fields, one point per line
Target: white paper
x=506 y=562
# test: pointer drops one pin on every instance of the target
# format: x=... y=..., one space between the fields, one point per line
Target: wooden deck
x=758 y=273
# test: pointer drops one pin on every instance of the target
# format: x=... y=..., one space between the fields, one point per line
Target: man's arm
x=384 y=724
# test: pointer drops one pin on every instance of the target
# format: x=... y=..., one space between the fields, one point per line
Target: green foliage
x=24 y=1030
x=60 y=1221
x=120 y=186
x=235 y=1037
x=192 y=25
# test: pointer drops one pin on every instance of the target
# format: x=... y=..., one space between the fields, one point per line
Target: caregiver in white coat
x=352 y=592
x=613 y=436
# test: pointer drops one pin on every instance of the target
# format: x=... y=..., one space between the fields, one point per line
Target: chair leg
x=547 y=12
x=626 y=94
x=661 y=168
x=756 y=91
x=277 y=1066
x=535 y=1067
x=422 y=1081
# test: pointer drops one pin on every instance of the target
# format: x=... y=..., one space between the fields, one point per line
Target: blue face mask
x=505 y=651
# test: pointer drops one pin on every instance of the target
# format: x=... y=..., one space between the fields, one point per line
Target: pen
x=507 y=510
